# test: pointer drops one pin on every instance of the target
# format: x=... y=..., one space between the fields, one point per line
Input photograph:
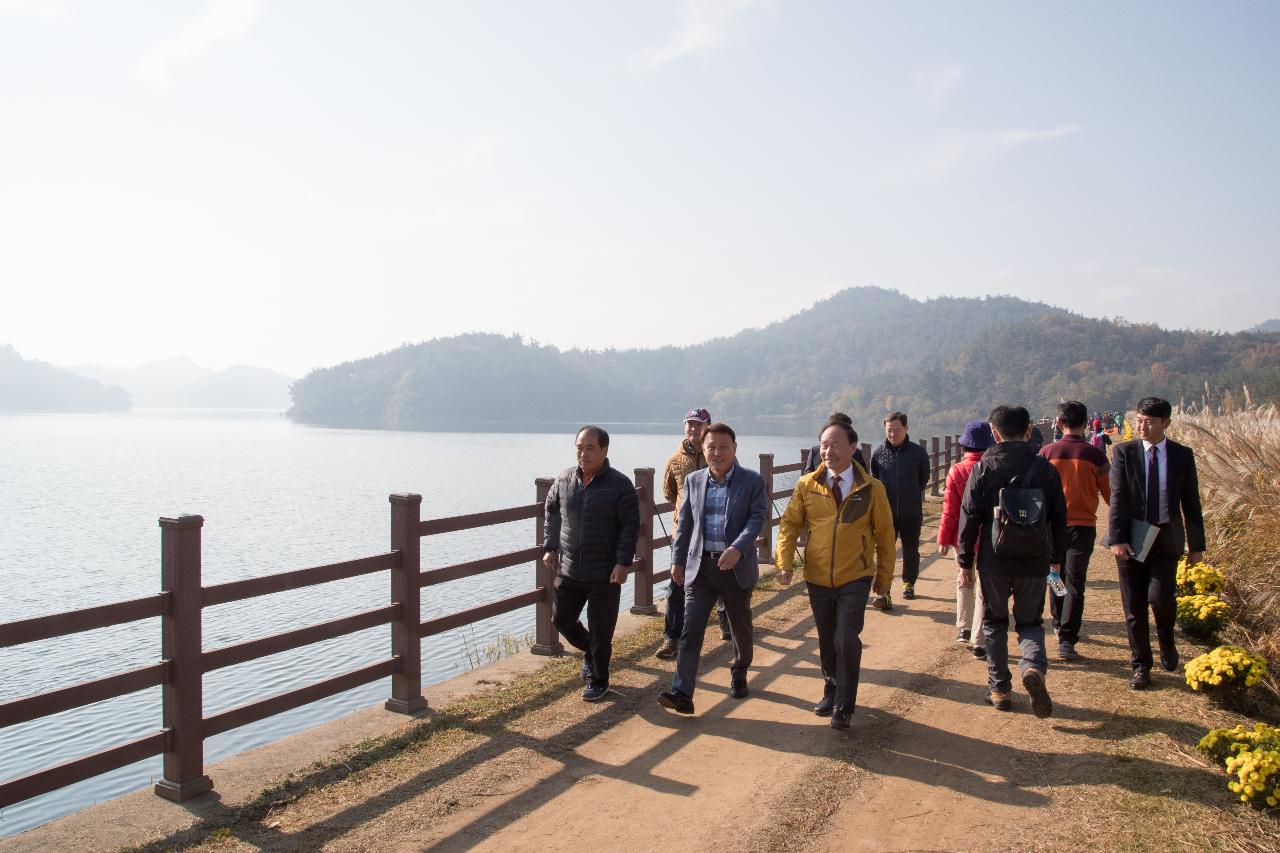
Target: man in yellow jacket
x=847 y=514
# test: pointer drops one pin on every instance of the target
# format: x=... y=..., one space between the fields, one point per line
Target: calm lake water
x=80 y=496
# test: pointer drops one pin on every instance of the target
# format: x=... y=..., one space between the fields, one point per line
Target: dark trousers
x=596 y=641
x=1153 y=584
x=838 y=614
x=700 y=597
x=674 y=621
x=1028 y=620
x=908 y=530
x=1068 y=610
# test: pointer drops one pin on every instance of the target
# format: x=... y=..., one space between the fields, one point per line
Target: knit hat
x=977 y=435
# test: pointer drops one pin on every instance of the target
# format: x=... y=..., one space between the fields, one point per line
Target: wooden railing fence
x=182 y=598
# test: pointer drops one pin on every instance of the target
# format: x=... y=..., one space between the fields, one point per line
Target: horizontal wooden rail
x=781 y=493
x=664 y=575
x=65 y=698
x=787 y=469
x=664 y=541
x=281 y=702
x=478 y=567
x=664 y=507
x=283 y=581
x=441 y=624
x=276 y=643
x=75 y=621
x=453 y=523
x=70 y=772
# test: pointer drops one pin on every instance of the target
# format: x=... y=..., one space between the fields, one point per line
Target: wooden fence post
x=643 y=595
x=765 y=548
x=866 y=455
x=406 y=594
x=935 y=467
x=804 y=456
x=546 y=640
x=180 y=646
x=946 y=457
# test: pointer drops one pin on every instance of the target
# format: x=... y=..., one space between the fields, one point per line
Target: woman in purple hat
x=976 y=438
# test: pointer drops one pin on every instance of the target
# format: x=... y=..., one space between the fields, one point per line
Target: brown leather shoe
x=1001 y=701
x=668 y=649
x=1041 y=704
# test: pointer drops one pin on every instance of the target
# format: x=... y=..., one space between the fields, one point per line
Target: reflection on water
x=80 y=497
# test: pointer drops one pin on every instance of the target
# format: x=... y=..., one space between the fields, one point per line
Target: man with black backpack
x=1013 y=521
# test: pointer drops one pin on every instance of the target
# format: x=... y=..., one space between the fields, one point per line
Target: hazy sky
x=293 y=183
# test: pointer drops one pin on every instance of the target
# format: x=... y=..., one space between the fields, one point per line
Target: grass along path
x=926 y=766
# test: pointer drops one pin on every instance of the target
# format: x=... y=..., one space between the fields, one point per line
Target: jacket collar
x=860 y=478
x=905 y=441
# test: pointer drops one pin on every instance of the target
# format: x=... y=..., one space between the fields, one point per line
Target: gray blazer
x=746 y=514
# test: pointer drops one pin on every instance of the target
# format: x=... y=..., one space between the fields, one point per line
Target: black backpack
x=1020 y=529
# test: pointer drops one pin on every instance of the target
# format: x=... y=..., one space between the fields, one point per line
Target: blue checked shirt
x=715 y=512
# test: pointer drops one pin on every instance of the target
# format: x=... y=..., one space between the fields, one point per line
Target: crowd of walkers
x=1019 y=516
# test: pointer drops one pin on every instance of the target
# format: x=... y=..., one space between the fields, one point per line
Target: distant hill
x=179 y=382
x=862 y=350
x=1268 y=326
x=34 y=386
x=793 y=368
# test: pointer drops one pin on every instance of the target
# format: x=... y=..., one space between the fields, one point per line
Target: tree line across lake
x=864 y=349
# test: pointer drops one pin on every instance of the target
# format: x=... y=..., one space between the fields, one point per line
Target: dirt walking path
x=927 y=764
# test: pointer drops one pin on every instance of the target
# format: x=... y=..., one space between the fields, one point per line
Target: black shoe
x=1169 y=659
x=738 y=689
x=909 y=591
x=980 y=652
x=963 y=637
x=826 y=705
x=1140 y=681
x=594 y=692
x=840 y=718
x=1041 y=704
x=668 y=649
x=676 y=701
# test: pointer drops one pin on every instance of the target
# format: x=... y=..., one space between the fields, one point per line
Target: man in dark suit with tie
x=714 y=556
x=1153 y=479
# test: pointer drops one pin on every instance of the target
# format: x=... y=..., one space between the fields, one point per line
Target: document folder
x=1141 y=537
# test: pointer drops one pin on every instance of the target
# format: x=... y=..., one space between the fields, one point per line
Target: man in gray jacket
x=723 y=512
x=591 y=523
x=903 y=467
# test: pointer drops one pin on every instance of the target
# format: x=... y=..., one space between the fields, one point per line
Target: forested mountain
x=863 y=349
x=34 y=386
x=1272 y=325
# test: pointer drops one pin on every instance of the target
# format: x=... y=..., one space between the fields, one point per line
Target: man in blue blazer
x=724 y=509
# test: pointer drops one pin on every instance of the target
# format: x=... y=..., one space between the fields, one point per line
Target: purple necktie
x=835 y=489
x=1153 y=487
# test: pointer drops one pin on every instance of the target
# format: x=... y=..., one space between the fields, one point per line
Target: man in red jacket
x=1084 y=472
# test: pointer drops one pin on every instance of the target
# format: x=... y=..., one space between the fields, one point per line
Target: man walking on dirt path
x=847 y=514
x=687 y=459
x=724 y=510
x=903 y=467
x=1014 y=549
x=1153 y=481
x=592 y=519
x=1084 y=472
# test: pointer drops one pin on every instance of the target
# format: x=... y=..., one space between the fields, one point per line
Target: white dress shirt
x=845 y=479
x=1162 y=459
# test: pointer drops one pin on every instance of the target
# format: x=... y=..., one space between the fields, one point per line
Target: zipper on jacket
x=835 y=530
